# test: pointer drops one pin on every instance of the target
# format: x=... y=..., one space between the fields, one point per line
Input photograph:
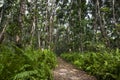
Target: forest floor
x=66 y=71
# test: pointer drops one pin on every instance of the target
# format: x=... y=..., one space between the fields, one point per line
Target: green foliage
x=90 y=46
x=29 y=64
x=105 y=9
x=105 y=66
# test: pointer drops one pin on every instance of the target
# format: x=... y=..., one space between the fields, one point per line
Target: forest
x=36 y=34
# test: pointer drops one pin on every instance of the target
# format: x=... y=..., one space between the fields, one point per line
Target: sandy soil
x=66 y=71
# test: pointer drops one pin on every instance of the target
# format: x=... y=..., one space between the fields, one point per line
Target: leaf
x=25 y=74
x=1 y=67
x=106 y=63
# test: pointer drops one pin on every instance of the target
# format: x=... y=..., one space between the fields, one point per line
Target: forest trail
x=66 y=71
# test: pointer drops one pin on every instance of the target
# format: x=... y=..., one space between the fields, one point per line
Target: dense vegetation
x=59 y=26
x=28 y=64
x=103 y=65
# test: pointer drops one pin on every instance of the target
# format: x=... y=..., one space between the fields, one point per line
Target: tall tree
x=19 y=35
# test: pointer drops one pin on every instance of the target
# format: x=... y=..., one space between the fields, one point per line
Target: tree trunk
x=34 y=22
x=102 y=27
x=50 y=31
x=39 y=40
x=95 y=24
x=81 y=38
x=113 y=8
x=1 y=14
x=2 y=33
x=19 y=35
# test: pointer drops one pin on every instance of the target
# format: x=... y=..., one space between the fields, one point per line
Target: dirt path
x=65 y=71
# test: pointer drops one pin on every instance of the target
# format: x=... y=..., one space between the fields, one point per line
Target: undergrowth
x=28 y=64
x=105 y=66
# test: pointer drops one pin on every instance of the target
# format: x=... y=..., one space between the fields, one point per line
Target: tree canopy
x=60 y=25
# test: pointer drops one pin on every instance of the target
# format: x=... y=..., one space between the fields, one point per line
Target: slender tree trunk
x=51 y=25
x=80 y=18
x=102 y=27
x=2 y=33
x=19 y=35
x=113 y=8
x=47 y=26
x=1 y=15
x=34 y=22
x=49 y=22
x=95 y=24
x=3 y=24
x=39 y=40
x=51 y=31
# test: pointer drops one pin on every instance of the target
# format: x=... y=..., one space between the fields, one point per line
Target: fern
x=1 y=68
x=105 y=66
x=25 y=75
x=28 y=64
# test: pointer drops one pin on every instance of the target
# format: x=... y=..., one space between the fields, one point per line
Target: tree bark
x=19 y=35
x=102 y=27
x=2 y=34
x=113 y=8
x=80 y=18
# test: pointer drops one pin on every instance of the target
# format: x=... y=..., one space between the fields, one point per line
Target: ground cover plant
x=105 y=66
x=28 y=64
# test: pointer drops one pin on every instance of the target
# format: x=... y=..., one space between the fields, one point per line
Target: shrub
x=29 y=64
x=105 y=66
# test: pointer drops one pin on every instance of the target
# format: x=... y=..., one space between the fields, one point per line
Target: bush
x=29 y=64
x=105 y=66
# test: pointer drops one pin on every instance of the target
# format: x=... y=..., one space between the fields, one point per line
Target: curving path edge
x=66 y=71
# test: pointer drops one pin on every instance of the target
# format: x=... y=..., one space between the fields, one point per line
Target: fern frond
x=25 y=74
x=1 y=68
